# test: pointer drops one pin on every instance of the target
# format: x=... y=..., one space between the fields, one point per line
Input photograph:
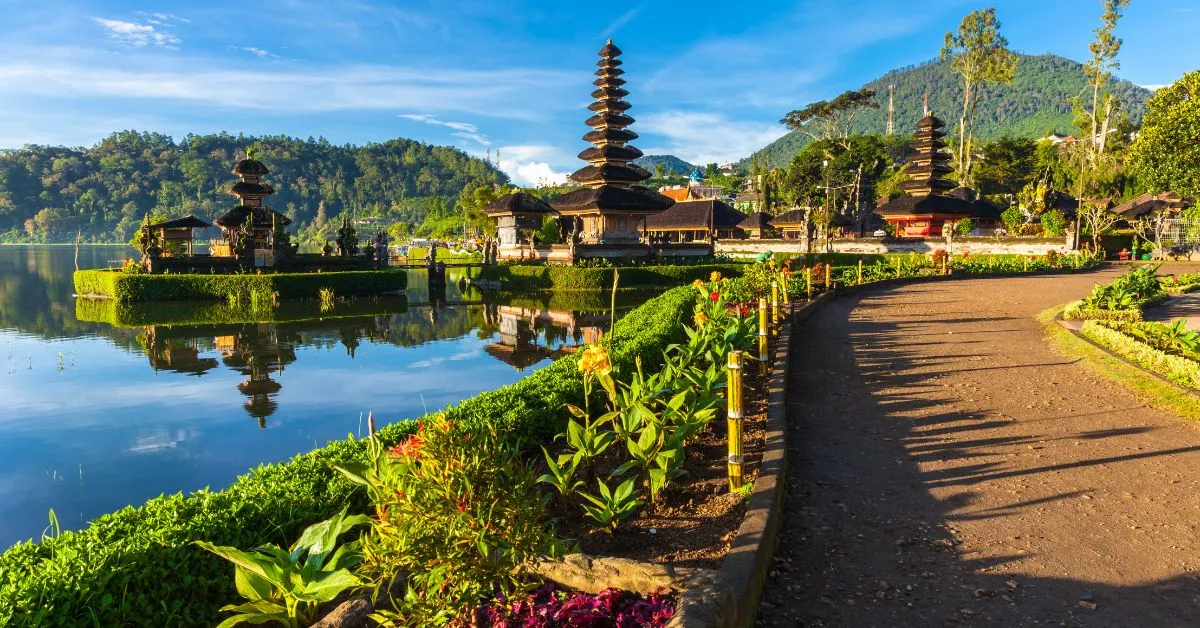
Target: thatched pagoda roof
x=187 y=222
x=926 y=205
x=250 y=168
x=790 y=218
x=245 y=188
x=609 y=152
x=263 y=217
x=1151 y=203
x=612 y=198
x=517 y=203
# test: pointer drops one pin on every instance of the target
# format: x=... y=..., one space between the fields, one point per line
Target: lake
x=104 y=407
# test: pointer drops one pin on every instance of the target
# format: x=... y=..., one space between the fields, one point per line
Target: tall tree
x=980 y=55
x=1098 y=70
x=833 y=119
x=1165 y=157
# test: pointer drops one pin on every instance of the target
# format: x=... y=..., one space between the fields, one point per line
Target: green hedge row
x=136 y=567
x=1075 y=311
x=519 y=278
x=1173 y=367
x=168 y=287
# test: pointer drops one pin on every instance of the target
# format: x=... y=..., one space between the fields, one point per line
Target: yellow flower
x=595 y=361
x=698 y=283
x=715 y=276
x=700 y=319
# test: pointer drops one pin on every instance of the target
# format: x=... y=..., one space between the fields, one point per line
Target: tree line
x=102 y=192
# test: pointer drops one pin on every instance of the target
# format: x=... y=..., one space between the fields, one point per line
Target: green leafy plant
x=610 y=508
x=288 y=587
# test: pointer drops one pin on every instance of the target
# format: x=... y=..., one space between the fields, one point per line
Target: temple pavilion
x=250 y=191
x=932 y=203
x=607 y=216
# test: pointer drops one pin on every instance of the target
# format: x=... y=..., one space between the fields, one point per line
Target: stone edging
x=749 y=559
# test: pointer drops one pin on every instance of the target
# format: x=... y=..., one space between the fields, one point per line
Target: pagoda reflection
x=529 y=335
x=257 y=352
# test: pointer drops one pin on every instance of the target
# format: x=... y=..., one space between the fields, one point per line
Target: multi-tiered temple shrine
x=250 y=191
x=607 y=216
x=926 y=208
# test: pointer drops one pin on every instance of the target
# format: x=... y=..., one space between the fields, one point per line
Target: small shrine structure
x=518 y=217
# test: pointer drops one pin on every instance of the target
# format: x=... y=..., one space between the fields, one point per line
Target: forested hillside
x=47 y=193
x=1037 y=102
x=671 y=163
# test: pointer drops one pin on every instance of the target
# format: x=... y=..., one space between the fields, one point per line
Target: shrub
x=1054 y=222
x=520 y=278
x=195 y=287
x=964 y=227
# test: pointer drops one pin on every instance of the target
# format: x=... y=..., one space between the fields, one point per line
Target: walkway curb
x=749 y=559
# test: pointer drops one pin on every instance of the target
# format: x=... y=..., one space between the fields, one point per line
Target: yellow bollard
x=808 y=281
x=1026 y=260
x=783 y=285
x=897 y=268
x=944 y=259
x=828 y=277
x=763 y=343
x=774 y=308
x=733 y=393
x=860 y=271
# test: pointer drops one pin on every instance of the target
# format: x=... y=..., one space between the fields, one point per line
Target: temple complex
x=608 y=214
x=518 y=216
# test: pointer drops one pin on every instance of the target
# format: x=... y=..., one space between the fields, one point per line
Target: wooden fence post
x=733 y=393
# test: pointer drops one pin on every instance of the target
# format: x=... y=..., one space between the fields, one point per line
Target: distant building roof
x=187 y=222
x=758 y=221
x=708 y=214
x=792 y=217
x=1150 y=203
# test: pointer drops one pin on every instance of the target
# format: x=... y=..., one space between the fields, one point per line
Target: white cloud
x=702 y=138
x=496 y=93
x=530 y=165
x=1154 y=87
x=260 y=53
x=154 y=32
x=463 y=130
x=624 y=19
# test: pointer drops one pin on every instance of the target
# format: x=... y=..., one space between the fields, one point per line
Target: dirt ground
x=946 y=467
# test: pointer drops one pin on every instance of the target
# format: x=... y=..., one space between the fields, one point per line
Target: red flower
x=460 y=505
x=410 y=448
x=715 y=297
x=965 y=254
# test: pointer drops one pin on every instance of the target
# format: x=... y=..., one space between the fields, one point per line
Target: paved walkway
x=945 y=467
x=1185 y=306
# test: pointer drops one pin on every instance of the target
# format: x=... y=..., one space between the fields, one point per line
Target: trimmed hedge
x=519 y=278
x=136 y=567
x=1074 y=311
x=1175 y=368
x=124 y=286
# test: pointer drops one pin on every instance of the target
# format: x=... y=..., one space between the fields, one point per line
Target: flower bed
x=1169 y=350
x=1122 y=300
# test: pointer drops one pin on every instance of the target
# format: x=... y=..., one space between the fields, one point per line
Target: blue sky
x=709 y=80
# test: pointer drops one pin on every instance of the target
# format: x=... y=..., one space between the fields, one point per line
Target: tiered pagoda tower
x=250 y=191
x=929 y=166
x=610 y=209
x=926 y=210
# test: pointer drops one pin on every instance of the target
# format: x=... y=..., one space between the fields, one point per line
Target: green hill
x=674 y=164
x=1036 y=103
x=48 y=193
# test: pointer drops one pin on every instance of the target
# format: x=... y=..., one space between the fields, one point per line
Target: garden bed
x=529 y=278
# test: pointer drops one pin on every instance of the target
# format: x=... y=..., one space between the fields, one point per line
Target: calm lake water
x=104 y=407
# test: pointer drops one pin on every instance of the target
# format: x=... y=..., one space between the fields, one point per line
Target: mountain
x=674 y=164
x=1037 y=102
x=48 y=193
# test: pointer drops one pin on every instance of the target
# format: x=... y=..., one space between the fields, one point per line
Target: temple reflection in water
x=521 y=336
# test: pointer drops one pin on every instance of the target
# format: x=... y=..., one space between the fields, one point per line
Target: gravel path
x=947 y=468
